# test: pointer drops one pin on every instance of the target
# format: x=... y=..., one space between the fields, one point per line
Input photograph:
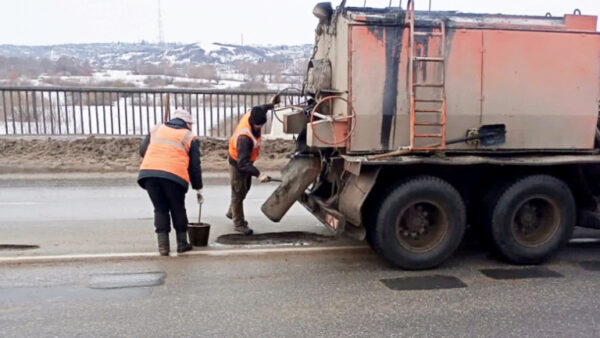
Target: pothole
x=18 y=247
x=274 y=238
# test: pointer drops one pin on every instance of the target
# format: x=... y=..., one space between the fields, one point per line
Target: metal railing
x=123 y=111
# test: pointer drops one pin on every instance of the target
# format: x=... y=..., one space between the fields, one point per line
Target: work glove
x=264 y=178
x=275 y=100
x=199 y=196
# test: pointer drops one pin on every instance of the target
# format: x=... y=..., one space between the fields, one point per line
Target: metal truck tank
x=537 y=75
x=425 y=124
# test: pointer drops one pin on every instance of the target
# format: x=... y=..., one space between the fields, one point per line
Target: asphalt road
x=349 y=292
x=114 y=215
x=320 y=294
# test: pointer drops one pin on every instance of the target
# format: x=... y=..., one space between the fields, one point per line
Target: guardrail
x=123 y=111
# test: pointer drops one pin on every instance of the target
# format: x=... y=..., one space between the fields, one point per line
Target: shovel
x=198 y=232
x=488 y=135
x=274 y=179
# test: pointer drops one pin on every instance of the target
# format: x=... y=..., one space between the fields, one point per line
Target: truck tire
x=530 y=219
x=419 y=224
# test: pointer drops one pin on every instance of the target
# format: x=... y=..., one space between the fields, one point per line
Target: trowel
x=200 y=201
x=274 y=179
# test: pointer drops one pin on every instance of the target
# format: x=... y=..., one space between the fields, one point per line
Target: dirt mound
x=119 y=154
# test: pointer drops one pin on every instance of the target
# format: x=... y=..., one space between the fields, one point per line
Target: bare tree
x=206 y=72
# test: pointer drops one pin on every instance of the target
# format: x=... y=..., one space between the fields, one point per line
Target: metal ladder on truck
x=416 y=111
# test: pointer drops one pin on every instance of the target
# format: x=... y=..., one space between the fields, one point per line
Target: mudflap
x=331 y=218
x=346 y=215
x=588 y=219
x=357 y=187
x=296 y=176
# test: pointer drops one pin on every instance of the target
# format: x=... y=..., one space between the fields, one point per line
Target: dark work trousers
x=240 y=184
x=167 y=197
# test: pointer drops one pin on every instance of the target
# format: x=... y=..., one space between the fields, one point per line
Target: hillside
x=205 y=65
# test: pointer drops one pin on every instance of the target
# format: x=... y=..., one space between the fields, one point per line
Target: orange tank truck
x=420 y=126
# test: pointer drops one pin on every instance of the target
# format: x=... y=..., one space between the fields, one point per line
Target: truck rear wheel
x=531 y=219
x=419 y=224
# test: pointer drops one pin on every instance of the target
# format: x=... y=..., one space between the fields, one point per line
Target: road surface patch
x=521 y=273
x=126 y=280
x=590 y=265
x=275 y=238
x=435 y=282
x=18 y=247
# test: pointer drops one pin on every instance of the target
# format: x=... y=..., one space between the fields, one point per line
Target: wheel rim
x=421 y=226
x=535 y=221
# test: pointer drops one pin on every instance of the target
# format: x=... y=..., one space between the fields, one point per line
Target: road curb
x=155 y=255
x=102 y=175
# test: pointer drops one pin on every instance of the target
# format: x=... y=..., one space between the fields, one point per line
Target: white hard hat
x=183 y=114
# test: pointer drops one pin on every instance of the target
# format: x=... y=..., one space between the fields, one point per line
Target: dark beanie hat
x=258 y=116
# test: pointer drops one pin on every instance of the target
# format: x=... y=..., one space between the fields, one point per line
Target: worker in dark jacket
x=244 y=146
x=171 y=161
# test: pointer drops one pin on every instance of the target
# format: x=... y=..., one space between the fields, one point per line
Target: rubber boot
x=182 y=242
x=244 y=229
x=163 y=243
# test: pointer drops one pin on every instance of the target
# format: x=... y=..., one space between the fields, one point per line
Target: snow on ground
x=111 y=75
x=110 y=78
x=227 y=80
x=231 y=76
x=208 y=46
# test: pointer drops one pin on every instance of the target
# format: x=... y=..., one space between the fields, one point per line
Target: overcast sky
x=46 y=22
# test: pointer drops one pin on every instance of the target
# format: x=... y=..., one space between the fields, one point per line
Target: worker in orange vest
x=244 y=147
x=171 y=162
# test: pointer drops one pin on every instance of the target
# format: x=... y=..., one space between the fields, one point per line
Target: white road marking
x=200 y=252
x=18 y=203
x=584 y=240
x=210 y=252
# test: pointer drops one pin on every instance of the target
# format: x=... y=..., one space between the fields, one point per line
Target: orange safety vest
x=168 y=151
x=244 y=128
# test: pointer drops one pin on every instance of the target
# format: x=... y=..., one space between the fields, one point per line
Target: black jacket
x=194 y=168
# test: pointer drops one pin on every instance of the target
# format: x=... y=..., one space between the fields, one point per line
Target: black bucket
x=198 y=233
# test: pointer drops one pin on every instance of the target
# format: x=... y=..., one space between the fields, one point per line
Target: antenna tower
x=161 y=35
